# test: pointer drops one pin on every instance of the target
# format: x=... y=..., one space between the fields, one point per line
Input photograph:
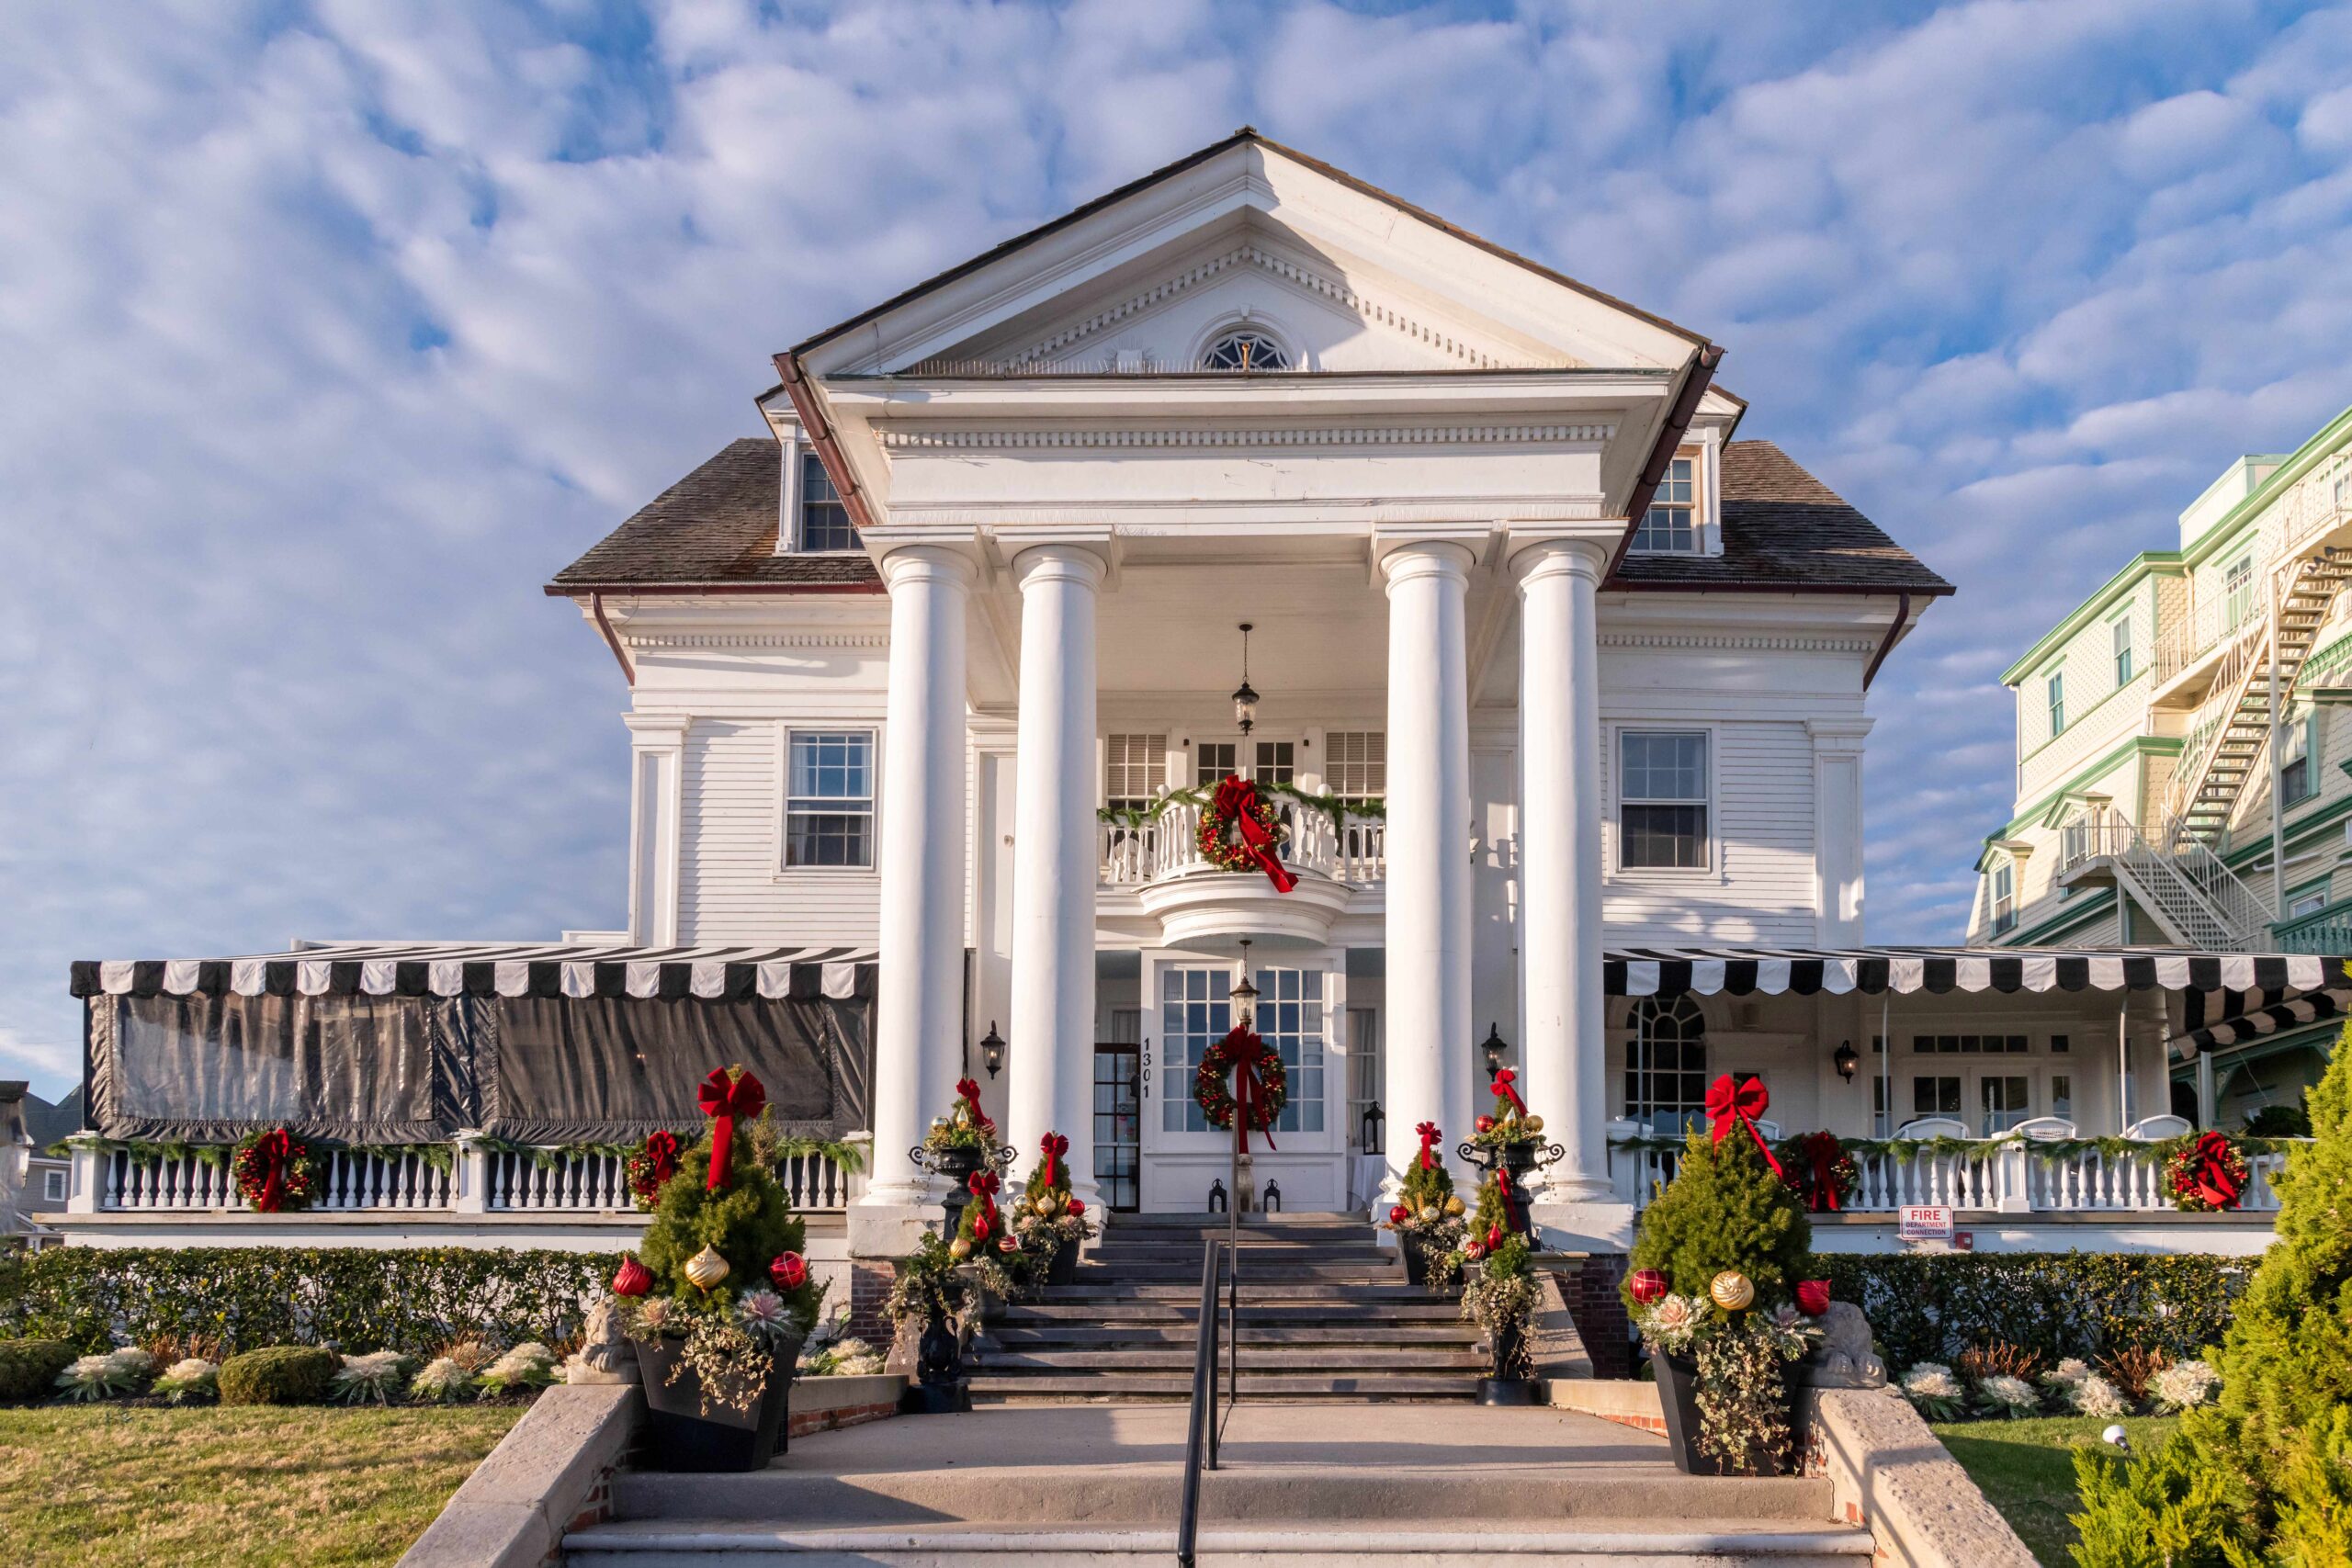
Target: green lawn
x=103 y=1485
x=2027 y=1470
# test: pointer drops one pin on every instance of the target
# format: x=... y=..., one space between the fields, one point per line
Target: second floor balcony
x=1157 y=857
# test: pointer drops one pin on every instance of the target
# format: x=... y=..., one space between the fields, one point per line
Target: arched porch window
x=1666 y=1064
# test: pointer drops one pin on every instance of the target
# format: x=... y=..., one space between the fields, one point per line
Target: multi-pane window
x=2062 y=1095
x=1276 y=761
x=1355 y=765
x=1245 y=351
x=54 y=1186
x=1196 y=1013
x=1972 y=1045
x=2295 y=778
x=2003 y=1101
x=1289 y=1018
x=2119 y=634
x=824 y=520
x=1662 y=800
x=2054 y=692
x=2005 y=898
x=1671 y=524
x=1135 y=771
x=1936 y=1096
x=1665 y=1064
x=2237 y=592
x=829 y=799
x=1212 y=760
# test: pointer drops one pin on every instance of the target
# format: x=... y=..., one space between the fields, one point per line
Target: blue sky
x=334 y=329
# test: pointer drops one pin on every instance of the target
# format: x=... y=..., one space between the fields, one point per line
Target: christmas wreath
x=2208 y=1174
x=1259 y=1084
x=272 y=1172
x=650 y=1165
x=1240 y=829
x=1819 y=1170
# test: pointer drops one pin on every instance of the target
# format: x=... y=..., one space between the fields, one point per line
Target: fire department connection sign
x=1924 y=1221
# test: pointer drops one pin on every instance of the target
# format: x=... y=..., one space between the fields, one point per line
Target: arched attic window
x=1244 y=349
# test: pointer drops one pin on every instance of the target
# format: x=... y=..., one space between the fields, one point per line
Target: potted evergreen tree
x=718 y=1300
x=1427 y=1216
x=1498 y=1289
x=928 y=1289
x=1049 y=1224
x=1714 y=1289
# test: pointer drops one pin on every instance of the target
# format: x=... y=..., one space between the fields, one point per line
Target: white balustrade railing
x=348 y=1181
x=1997 y=1175
x=548 y=1180
x=1352 y=850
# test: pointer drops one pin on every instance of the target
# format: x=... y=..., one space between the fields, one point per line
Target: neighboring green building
x=2184 y=774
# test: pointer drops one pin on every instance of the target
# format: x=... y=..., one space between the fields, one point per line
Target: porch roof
x=712 y=972
x=1745 y=971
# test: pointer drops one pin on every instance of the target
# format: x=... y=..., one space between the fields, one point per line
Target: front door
x=1118 y=1125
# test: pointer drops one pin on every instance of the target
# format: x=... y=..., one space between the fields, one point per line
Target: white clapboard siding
x=1764 y=887
x=730 y=881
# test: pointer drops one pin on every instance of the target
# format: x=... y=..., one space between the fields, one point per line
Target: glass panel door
x=1289 y=1019
x=1196 y=1013
x=1118 y=1125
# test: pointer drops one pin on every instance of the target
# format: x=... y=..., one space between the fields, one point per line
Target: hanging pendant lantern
x=1245 y=698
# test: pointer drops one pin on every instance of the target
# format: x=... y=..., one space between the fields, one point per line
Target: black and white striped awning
x=495 y=969
x=2255 y=1014
x=1742 y=971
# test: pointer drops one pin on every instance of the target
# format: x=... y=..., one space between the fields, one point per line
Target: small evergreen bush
x=278 y=1374
x=30 y=1368
x=1724 y=1209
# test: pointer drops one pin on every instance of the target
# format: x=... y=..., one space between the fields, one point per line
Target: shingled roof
x=1784 y=530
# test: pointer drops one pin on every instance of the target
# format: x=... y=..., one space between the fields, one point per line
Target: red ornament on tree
x=1485 y=1124
x=633 y=1280
x=1399 y=1214
x=1073 y=1207
x=1813 y=1297
x=789 y=1271
x=1648 y=1285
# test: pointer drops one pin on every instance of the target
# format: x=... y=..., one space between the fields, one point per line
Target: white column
x=1560 y=871
x=1050 y=1043
x=919 y=1012
x=1837 y=827
x=1428 y=892
x=657 y=756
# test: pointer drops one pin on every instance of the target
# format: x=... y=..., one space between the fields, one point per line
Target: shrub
x=2174 y=1505
x=356 y=1299
x=190 y=1378
x=749 y=1222
x=113 y=1375
x=278 y=1374
x=374 y=1375
x=30 y=1368
x=1724 y=1209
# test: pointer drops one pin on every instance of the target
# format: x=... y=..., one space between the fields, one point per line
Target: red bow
x=1250 y=1053
x=277 y=1152
x=662 y=1154
x=970 y=1093
x=1430 y=1135
x=1500 y=1089
x=1237 y=798
x=983 y=1185
x=1053 y=1148
x=1510 y=1201
x=1822 y=1152
x=724 y=1097
x=1742 y=1105
x=2209 y=1170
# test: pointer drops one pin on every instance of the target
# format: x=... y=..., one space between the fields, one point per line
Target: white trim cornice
x=755 y=640
x=1754 y=643
x=936 y=439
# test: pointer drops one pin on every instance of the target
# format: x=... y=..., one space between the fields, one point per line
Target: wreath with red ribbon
x=1241 y=830
x=1819 y=1170
x=1260 y=1084
x=2206 y=1175
x=650 y=1165
x=272 y=1172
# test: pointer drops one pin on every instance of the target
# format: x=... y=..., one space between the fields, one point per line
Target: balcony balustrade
x=1351 y=850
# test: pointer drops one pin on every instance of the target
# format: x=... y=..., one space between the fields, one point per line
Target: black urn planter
x=1499 y=1389
x=1417 y=1257
x=681 y=1434
x=959 y=1166
x=1063 y=1269
x=938 y=1389
x=1678 y=1397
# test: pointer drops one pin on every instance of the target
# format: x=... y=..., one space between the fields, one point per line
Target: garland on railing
x=440 y=1156
x=1205 y=795
x=2050 y=1151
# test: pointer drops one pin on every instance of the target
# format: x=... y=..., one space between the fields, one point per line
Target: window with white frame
x=2118 y=633
x=1244 y=350
x=1135 y=771
x=2297 y=779
x=824 y=520
x=829 y=798
x=2237 y=592
x=1289 y=1018
x=1670 y=526
x=2054 y=694
x=1355 y=765
x=54 y=1186
x=2005 y=898
x=2309 y=901
x=1661 y=800
x=1196 y=1013
x=1666 y=1064
x=1213 y=759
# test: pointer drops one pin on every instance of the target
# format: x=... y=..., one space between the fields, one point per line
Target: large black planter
x=1417 y=1257
x=681 y=1434
x=957 y=1165
x=1063 y=1269
x=1678 y=1397
x=1499 y=1389
x=939 y=1388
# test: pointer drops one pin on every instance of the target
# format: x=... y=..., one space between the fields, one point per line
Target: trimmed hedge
x=278 y=1374
x=353 y=1298
x=29 y=1367
x=1931 y=1306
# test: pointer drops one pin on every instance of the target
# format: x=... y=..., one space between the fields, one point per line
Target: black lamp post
x=1374 y=1143
x=1846 y=1060
x=1495 y=1047
x=993 y=1049
x=1245 y=699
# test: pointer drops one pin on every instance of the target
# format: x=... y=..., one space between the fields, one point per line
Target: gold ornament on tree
x=705 y=1269
x=1732 y=1289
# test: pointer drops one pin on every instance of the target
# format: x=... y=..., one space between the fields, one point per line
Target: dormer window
x=824 y=520
x=1670 y=528
x=1245 y=351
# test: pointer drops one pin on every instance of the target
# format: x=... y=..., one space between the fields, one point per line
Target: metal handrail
x=1201 y=1430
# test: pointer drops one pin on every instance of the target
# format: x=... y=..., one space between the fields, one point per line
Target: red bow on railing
x=1430 y=1135
x=662 y=1154
x=1742 y=1105
x=275 y=1153
x=1510 y=1196
x=1822 y=1152
x=983 y=1185
x=1237 y=798
x=1501 y=1090
x=2209 y=1169
x=1250 y=1053
x=724 y=1096
x=970 y=1093
x=1054 y=1148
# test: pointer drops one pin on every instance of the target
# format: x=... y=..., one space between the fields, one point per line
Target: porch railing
x=2007 y=1176
x=1352 y=850
x=349 y=1180
x=2327 y=934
